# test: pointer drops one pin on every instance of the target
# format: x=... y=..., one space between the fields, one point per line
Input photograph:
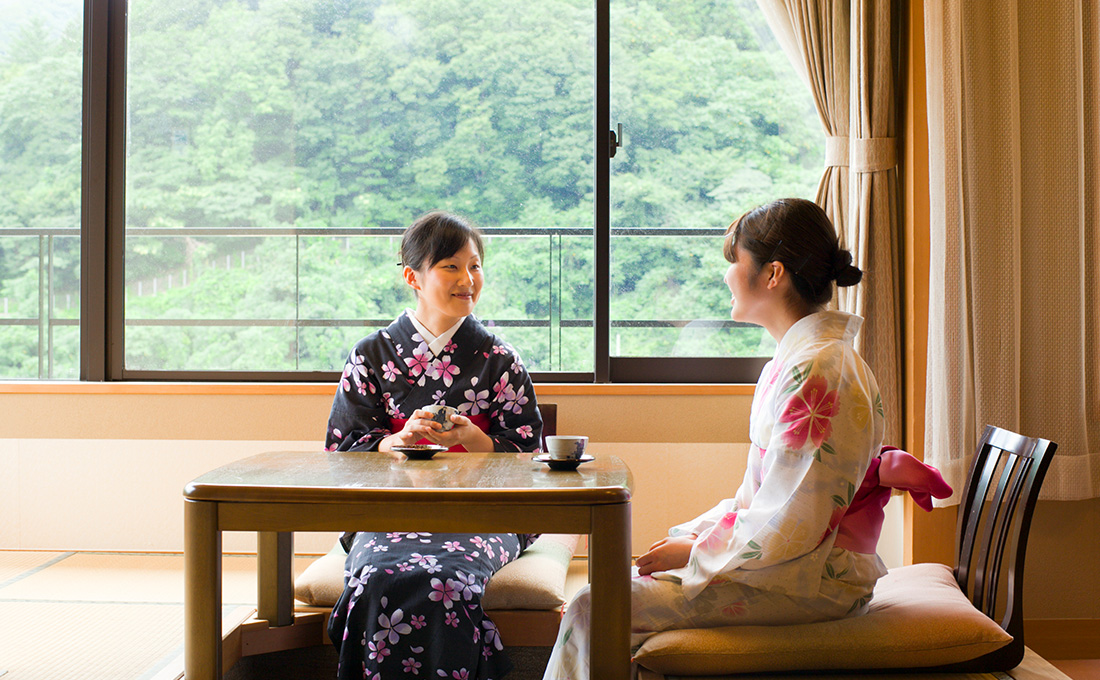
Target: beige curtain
x=1014 y=311
x=844 y=50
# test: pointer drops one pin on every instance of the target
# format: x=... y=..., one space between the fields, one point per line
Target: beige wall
x=103 y=467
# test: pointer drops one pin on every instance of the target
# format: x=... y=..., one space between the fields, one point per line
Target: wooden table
x=281 y=492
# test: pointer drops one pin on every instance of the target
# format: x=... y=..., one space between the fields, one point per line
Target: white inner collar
x=435 y=343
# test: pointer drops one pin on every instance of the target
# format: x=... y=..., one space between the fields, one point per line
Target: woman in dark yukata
x=411 y=601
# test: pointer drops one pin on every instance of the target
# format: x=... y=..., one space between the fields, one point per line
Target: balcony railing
x=53 y=303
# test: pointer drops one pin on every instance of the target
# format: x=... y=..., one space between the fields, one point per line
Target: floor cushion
x=918 y=618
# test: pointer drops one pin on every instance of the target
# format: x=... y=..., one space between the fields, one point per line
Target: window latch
x=615 y=138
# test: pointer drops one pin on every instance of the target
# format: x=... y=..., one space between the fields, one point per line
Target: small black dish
x=563 y=465
x=419 y=451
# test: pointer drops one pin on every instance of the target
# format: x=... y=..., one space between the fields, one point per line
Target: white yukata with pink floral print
x=767 y=555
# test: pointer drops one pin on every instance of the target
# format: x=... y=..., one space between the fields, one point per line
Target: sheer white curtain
x=845 y=52
x=1014 y=310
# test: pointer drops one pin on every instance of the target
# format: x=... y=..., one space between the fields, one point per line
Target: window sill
x=310 y=389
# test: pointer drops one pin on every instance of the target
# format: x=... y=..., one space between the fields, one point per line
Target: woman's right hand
x=667 y=553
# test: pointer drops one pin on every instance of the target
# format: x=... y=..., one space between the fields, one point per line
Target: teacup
x=566 y=447
x=441 y=413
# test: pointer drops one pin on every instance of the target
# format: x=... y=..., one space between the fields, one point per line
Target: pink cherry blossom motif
x=478 y=402
x=450 y=347
x=525 y=431
x=390 y=371
x=451 y=619
x=466 y=585
x=501 y=388
x=443 y=368
x=443 y=592
x=420 y=361
x=378 y=651
x=411 y=666
x=391 y=628
x=810 y=413
x=492 y=636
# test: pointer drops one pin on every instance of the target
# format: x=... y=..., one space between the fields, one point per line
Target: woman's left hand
x=665 y=554
x=464 y=434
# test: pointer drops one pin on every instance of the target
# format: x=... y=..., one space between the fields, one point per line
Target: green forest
x=276 y=148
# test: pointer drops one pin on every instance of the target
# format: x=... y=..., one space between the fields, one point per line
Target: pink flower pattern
x=810 y=413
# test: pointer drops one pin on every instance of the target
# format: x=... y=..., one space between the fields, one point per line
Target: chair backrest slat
x=998 y=520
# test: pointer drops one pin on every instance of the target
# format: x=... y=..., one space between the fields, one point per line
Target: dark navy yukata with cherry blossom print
x=411 y=606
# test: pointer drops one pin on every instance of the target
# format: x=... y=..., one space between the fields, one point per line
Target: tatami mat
x=16 y=565
x=62 y=640
x=103 y=616
x=114 y=577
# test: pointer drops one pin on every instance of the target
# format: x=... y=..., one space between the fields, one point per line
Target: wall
x=102 y=467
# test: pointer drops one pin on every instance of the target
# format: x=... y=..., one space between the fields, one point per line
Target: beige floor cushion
x=918 y=618
x=534 y=581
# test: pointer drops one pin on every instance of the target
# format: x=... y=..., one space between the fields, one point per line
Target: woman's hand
x=421 y=426
x=667 y=553
x=464 y=433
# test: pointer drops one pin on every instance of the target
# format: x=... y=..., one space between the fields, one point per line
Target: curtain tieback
x=861 y=155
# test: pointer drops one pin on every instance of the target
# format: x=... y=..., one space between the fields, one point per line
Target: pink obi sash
x=861 y=524
x=481 y=420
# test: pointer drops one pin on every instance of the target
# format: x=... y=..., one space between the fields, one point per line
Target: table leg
x=202 y=607
x=276 y=586
x=609 y=550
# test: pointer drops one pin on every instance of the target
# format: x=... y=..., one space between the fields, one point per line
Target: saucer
x=566 y=464
x=419 y=451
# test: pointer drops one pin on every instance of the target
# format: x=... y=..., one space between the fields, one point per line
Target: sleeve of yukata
x=822 y=442
x=516 y=424
x=358 y=420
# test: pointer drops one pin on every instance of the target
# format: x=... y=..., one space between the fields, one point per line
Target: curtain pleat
x=1013 y=101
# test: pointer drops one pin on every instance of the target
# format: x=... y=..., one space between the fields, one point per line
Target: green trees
x=359 y=115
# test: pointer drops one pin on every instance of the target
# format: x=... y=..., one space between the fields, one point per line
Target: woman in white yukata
x=771 y=554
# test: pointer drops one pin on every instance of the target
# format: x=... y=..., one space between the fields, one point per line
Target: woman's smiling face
x=744 y=280
x=448 y=289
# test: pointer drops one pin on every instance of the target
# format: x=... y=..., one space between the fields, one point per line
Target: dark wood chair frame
x=991 y=540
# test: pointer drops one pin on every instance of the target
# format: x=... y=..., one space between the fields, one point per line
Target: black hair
x=437 y=236
x=799 y=234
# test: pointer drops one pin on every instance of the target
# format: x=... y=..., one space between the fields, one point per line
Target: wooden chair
x=993 y=527
x=923 y=617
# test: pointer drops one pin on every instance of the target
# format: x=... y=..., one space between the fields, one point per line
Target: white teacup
x=566 y=447
x=441 y=413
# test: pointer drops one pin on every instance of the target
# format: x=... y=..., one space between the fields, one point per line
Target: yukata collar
x=471 y=333
x=436 y=343
x=829 y=324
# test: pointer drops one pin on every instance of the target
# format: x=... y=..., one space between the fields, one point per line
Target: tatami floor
x=112 y=616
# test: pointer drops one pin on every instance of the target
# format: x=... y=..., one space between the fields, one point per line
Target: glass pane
x=715 y=122
x=41 y=62
x=278 y=148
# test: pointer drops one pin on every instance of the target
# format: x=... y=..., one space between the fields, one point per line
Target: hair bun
x=843 y=272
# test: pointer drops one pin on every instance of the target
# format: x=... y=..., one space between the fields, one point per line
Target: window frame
x=103 y=233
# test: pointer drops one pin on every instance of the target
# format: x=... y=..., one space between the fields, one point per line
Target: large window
x=272 y=151
x=40 y=72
